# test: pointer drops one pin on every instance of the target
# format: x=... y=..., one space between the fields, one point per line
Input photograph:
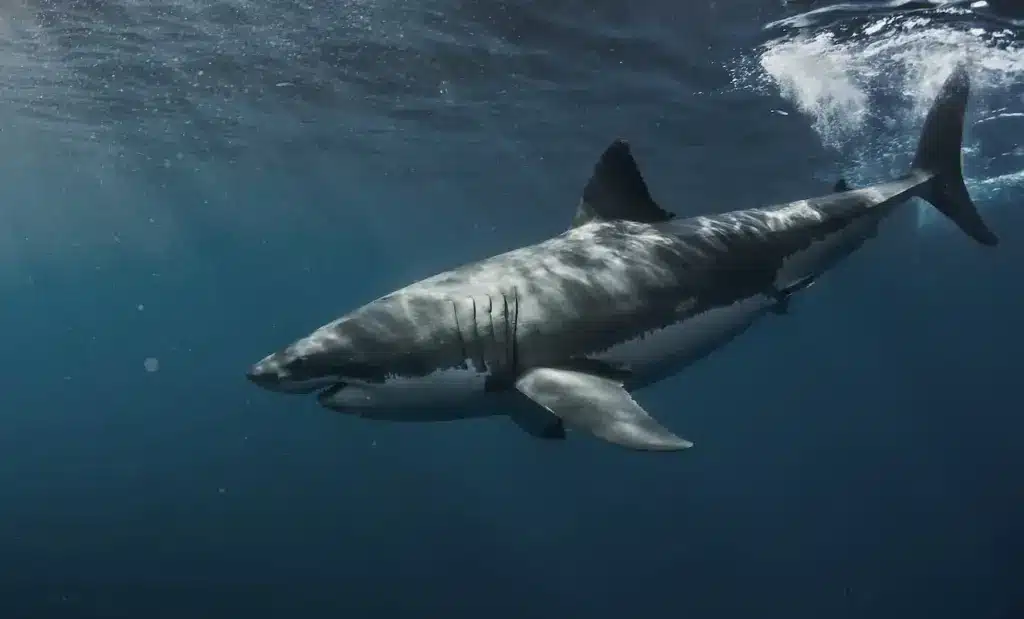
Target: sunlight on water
x=882 y=78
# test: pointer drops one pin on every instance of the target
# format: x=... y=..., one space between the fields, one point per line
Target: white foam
x=882 y=78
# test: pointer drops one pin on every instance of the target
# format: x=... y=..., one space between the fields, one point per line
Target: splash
x=866 y=88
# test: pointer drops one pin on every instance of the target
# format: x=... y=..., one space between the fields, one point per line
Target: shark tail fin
x=939 y=155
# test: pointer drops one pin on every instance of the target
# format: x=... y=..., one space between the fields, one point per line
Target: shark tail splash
x=939 y=157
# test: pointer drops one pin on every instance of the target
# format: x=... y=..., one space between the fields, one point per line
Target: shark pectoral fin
x=539 y=424
x=616 y=190
x=598 y=405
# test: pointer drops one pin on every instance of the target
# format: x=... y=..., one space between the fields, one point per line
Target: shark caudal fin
x=939 y=155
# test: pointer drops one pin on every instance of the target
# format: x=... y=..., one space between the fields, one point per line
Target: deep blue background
x=203 y=182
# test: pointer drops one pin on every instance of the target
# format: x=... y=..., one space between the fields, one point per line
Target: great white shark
x=557 y=335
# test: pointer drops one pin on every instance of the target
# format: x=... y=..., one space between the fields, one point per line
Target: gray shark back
x=593 y=287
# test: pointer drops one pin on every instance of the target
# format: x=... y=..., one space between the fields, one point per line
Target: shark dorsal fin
x=616 y=190
x=841 y=186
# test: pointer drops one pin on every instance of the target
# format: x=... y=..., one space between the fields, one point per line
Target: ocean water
x=186 y=186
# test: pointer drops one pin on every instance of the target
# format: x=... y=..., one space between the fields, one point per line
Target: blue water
x=186 y=186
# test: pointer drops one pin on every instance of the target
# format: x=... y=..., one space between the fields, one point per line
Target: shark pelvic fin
x=783 y=295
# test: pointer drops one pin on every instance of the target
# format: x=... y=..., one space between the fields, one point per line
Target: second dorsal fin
x=616 y=190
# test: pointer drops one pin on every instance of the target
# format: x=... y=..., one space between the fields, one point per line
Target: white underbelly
x=443 y=394
x=665 y=351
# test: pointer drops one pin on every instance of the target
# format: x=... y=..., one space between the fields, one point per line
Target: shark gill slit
x=494 y=334
x=515 y=330
x=510 y=336
x=479 y=361
x=458 y=335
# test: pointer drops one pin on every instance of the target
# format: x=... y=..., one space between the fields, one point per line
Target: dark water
x=187 y=185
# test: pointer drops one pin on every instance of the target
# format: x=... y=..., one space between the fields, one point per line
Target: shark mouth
x=331 y=390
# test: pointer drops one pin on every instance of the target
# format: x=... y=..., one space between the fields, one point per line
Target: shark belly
x=443 y=395
x=656 y=355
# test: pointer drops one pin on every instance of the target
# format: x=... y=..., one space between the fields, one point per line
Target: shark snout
x=284 y=373
x=265 y=373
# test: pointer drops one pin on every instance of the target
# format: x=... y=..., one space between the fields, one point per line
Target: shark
x=561 y=334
